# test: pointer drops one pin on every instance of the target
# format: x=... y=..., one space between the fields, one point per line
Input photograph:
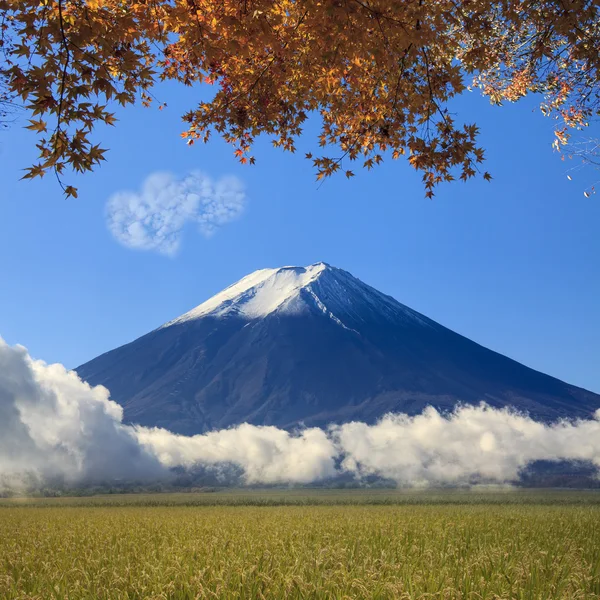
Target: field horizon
x=311 y=496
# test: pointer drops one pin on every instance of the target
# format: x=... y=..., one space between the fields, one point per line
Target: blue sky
x=513 y=264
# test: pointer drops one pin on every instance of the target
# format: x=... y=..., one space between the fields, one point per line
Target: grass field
x=301 y=544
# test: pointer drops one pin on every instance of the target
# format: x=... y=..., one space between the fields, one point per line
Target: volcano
x=312 y=346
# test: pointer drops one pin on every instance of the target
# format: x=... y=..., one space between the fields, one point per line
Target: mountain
x=313 y=345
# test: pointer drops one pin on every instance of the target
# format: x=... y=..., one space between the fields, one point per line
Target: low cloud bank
x=474 y=443
x=54 y=427
x=264 y=454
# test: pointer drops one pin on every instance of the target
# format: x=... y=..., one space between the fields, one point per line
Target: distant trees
x=380 y=73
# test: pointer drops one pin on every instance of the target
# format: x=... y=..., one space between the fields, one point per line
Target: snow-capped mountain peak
x=294 y=290
x=260 y=293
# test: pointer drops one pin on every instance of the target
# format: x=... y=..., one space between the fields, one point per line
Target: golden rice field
x=303 y=545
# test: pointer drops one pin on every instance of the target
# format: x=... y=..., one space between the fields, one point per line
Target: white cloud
x=154 y=217
x=474 y=443
x=265 y=454
x=53 y=425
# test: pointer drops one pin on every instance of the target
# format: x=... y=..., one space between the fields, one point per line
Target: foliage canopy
x=379 y=72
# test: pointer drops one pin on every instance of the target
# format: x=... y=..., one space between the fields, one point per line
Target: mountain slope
x=313 y=345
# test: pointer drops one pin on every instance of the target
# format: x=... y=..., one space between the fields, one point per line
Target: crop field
x=303 y=544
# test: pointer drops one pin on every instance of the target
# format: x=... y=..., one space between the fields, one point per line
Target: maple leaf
x=38 y=126
x=34 y=171
x=70 y=191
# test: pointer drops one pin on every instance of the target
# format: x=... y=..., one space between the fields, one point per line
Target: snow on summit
x=293 y=290
x=259 y=293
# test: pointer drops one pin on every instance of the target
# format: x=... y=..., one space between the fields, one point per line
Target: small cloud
x=153 y=218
